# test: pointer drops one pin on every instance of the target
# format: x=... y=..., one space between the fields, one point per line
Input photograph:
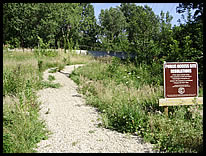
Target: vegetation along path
x=75 y=126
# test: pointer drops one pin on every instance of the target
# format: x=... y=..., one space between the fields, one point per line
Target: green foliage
x=186 y=45
x=43 y=49
x=54 y=70
x=127 y=98
x=128 y=28
x=14 y=42
x=142 y=28
x=67 y=60
x=40 y=62
x=21 y=126
x=11 y=81
x=51 y=78
x=88 y=27
x=60 y=67
x=198 y=14
x=46 y=84
x=178 y=133
x=44 y=19
x=22 y=129
x=113 y=24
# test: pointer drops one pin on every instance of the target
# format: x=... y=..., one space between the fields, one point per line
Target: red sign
x=180 y=79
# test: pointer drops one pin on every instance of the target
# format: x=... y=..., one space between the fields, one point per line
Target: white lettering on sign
x=193 y=66
x=183 y=66
x=170 y=66
x=181 y=71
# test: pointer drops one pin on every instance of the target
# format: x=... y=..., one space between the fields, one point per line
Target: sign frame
x=197 y=86
x=178 y=101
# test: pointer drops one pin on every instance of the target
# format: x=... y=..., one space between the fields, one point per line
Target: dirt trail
x=74 y=125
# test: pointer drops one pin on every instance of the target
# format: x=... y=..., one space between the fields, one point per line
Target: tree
x=88 y=27
x=113 y=24
x=198 y=14
x=165 y=35
x=24 y=22
x=142 y=28
x=14 y=18
x=68 y=17
x=190 y=43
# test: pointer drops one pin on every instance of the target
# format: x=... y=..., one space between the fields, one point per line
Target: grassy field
x=22 y=78
x=127 y=97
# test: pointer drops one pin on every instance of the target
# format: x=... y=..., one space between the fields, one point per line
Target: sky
x=156 y=7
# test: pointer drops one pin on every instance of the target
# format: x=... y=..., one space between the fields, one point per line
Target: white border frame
x=165 y=83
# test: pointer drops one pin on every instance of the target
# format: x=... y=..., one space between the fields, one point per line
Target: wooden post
x=166 y=110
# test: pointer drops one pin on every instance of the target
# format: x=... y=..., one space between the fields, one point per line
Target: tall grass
x=21 y=127
x=22 y=78
x=127 y=97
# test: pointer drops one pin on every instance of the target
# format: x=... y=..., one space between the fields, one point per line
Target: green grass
x=51 y=78
x=46 y=84
x=21 y=127
x=200 y=92
x=127 y=95
x=53 y=70
x=22 y=78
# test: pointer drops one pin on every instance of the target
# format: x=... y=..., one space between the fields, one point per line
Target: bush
x=22 y=129
x=21 y=126
x=45 y=52
x=176 y=134
x=12 y=81
x=127 y=96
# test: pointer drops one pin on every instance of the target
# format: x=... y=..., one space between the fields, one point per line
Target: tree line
x=128 y=27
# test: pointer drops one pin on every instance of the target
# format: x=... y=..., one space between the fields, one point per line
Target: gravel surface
x=74 y=125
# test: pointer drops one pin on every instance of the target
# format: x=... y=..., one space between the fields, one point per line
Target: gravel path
x=74 y=125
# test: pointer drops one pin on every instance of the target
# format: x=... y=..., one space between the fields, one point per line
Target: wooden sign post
x=180 y=84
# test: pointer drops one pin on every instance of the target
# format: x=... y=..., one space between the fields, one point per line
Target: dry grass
x=78 y=59
x=13 y=59
x=111 y=92
x=10 y=101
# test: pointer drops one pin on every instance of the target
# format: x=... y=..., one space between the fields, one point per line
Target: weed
x=91 y=131
x=51 y=78
x=67 y=60
x=40 y=62
x=127 y=95
x=22 y=77
x=74 y=143
x=46 y=84
x=60 y=67
x=54 y=70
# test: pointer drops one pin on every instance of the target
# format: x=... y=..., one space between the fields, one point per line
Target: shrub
x=13 y=81
x=127 y=96
x=22 y=129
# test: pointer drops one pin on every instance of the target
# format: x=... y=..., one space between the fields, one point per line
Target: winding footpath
x=75 y=125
